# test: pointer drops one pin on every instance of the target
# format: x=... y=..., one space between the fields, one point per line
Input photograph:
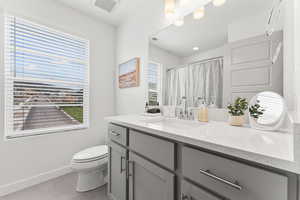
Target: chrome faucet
x=185 y=107
x=184 y=112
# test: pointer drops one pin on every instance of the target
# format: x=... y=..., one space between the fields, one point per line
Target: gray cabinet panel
x=156 y=149
x=117 y=134
x=147 y=181
x=192 y=192
x=117 y=172
x=232 y=179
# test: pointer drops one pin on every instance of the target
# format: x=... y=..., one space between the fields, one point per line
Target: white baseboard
x=28 y=182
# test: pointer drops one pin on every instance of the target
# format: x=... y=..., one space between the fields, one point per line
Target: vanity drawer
x=156 y=149
x=232 y=179
x=117 y=134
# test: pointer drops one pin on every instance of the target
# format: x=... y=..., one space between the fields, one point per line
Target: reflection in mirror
x=224 y=55
x=273 y=110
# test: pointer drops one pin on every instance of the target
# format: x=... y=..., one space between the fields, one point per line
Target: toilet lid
x=91 y=153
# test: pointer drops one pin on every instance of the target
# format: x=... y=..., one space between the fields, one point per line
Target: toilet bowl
x=91 y=166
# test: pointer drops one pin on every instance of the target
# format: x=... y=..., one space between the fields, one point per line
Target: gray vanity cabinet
x=192 y=192
x=117 y=172
x=145 y=167
x=231 y=179
x=147 y=181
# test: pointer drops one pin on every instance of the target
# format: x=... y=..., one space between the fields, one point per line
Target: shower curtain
x=197 y=80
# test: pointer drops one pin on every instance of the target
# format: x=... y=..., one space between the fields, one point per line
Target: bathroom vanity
x=166 y=159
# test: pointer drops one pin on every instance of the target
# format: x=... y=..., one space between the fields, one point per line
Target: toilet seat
x=91 y=154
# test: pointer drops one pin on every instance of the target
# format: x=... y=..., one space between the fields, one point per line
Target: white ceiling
x=120 y=13
x=211 y=31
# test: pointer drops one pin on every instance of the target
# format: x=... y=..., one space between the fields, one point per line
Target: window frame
x=9 y=133
x=159 y=91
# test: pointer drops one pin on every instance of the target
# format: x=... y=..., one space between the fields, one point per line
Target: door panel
x=147 y=181
x=251 y=67
x=117 y=172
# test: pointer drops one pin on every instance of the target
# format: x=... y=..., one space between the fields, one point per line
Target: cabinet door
x=192 y=192
x=148 y=181
x=117 y=172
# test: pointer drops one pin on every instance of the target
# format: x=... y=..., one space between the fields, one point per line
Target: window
x=46 y=79
x=154 y=83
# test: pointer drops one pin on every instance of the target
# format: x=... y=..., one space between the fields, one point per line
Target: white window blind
x=46 y=79
x=154 y=83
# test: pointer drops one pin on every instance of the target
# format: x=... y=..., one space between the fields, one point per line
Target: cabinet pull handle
x=114 y=133
x=121 y=168
x=131 y=174
x=213 y=176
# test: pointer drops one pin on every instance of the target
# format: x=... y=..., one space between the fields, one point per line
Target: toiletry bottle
x=158 y=108
x=203 y=112
x=146 y=107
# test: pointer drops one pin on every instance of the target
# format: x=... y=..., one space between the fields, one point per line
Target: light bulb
x=170 y=9
x=199 y=13
x=219 y=2
x=179 y=21
x=196 y=48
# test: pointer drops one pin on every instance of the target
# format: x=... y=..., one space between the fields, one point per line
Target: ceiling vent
x=107 y=5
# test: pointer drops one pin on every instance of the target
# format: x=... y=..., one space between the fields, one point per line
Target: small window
x=46 y=79
x=154 y=83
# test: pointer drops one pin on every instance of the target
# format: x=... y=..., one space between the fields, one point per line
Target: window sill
x=44 y=131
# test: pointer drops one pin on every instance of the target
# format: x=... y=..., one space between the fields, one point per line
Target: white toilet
x=91 y=165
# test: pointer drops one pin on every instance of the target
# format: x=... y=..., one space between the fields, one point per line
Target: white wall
x=132 y=41
x=247 y=27
x=252 y=26
x=26 y=161
x=212 y=53
x=167 y=59
x=296 y=5
x=289 y=57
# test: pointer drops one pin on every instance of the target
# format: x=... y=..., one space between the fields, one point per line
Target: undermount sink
x=174 y=123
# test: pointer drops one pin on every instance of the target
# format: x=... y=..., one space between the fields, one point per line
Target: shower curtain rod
x=201 y=61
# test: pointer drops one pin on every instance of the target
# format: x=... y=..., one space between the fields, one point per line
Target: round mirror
x=267 y=111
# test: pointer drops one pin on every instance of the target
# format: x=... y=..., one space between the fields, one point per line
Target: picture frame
x=129 y=73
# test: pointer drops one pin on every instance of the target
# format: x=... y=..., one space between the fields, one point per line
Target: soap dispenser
x=203 y=111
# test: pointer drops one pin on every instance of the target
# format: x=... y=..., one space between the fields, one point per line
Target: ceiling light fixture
x=179 y=21
x=199 y=13
x=196 y=48
x=175 y=12
x=170 y=9
x=219 y=2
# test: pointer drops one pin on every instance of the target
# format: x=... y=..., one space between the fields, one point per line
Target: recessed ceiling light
x=196 y=48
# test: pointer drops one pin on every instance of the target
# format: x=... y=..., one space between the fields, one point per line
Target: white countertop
x=275 y=149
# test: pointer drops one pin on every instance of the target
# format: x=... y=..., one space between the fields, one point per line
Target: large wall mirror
x=224 y=55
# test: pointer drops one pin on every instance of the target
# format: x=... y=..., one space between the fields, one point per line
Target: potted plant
x=237 y=111
x=256 y=111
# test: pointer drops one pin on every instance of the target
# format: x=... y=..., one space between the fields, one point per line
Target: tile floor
x=62 y=188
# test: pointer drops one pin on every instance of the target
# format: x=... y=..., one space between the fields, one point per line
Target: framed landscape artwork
x=129 y=73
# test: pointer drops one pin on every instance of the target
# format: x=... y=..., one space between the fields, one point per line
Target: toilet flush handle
x=114 y=133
